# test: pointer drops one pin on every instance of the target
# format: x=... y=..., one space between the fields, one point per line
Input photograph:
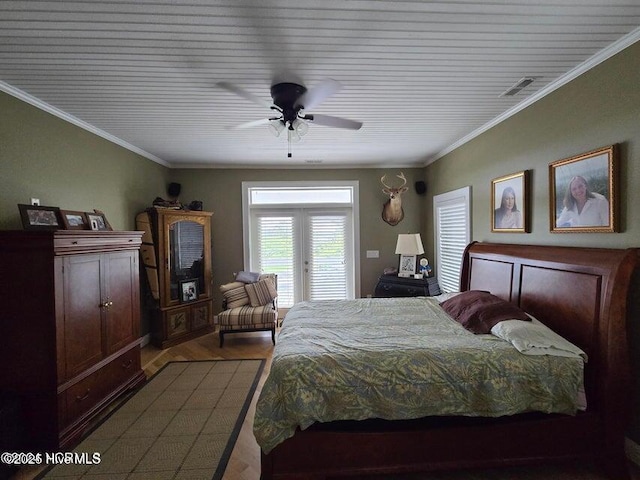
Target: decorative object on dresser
x=39 y=217
x=395 y=286
x=71 y=317
x=176 y=253
x=74 y=220
x=408 y=246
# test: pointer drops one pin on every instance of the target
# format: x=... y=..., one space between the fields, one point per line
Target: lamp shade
x=276 y=127
x=409 y=244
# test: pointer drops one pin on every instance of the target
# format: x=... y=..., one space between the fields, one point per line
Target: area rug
x=182 y=424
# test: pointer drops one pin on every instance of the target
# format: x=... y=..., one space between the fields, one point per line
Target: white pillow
x=445 y=296
x=535 y=338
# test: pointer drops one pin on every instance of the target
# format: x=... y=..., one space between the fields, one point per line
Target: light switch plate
x=373 y=254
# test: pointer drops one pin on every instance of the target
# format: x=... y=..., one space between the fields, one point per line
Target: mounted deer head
x=392 y=212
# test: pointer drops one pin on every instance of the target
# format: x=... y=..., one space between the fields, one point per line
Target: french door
x=310 y=249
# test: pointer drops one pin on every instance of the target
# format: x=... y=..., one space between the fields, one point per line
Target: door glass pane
x=326 y=251
x=276 y=253
x=186 y=252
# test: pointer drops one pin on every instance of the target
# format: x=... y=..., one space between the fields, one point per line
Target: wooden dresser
x=70 y=303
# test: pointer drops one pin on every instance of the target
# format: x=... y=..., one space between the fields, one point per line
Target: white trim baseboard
x=632 y=450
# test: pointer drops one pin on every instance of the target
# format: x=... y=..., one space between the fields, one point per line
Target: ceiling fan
x=292 y=101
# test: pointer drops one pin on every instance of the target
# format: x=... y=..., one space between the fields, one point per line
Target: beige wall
x=602 y=107
x=42 y=156
x=221 y=192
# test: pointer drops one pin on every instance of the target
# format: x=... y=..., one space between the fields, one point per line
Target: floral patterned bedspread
x=399 y=358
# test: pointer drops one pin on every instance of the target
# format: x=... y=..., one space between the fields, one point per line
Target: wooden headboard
x=581 y=293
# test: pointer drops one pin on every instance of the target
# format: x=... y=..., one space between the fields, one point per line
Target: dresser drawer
x=398 y=290
x=393 y=286
x=67 y=242
x=81 y=397
x=121 y=369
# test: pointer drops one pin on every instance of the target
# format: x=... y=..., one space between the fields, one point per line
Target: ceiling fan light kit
x=290 y=99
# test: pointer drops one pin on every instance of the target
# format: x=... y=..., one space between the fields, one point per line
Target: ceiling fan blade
x=329 y=121
x=316 y=95
x=254 y=123
x=243 y=93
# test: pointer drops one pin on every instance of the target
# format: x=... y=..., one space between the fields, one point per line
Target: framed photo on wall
x=510 y=203
x=583 y=192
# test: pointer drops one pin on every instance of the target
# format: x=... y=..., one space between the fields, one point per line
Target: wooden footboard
x=581 y=293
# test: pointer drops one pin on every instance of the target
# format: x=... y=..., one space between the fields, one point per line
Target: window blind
x=327 y=248
x=275 y=253
x=452 y=236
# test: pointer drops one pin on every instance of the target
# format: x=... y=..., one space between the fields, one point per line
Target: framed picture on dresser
x=38 y=217
x=73 y=220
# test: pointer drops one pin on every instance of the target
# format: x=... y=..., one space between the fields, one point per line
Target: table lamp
x=409 y=245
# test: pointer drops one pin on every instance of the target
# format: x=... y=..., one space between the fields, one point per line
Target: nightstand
x=394 y=286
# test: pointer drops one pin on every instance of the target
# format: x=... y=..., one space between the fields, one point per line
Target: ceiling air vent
x=515 y=89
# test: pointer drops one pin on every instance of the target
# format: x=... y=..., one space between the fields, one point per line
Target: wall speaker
x=173 y=189
x=421 y=187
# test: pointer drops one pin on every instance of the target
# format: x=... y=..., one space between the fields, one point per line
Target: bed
x=582 y=294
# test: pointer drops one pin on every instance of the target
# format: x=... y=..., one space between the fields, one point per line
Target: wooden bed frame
x=584 y=294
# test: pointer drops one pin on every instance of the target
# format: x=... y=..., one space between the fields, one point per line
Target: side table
x=394 y=286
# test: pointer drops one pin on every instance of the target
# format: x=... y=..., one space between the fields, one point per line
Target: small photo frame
x=38 y=217
x=73 y=220
x=100 y=212
x=407 y=266
x=584 y=193
x=97 y=221
x=188 y=290
x=510 y=203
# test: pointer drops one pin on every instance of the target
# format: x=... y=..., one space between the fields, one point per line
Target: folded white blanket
x=535 y=338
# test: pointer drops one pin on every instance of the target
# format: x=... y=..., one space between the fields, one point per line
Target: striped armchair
x=249 y=307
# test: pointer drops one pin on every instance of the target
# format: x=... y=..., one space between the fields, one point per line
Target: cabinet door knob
x=106 y=304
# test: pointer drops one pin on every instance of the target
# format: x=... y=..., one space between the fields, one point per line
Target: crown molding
x=597 y=59
x=36 y=102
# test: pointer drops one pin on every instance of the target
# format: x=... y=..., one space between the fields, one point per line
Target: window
x=452 y=217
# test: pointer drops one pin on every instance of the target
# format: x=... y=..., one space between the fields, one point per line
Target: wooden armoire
x=176 y=253
x=71 y=326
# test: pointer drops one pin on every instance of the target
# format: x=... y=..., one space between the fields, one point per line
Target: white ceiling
x=423 y=76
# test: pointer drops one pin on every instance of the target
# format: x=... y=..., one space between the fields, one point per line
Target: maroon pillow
x=479 y=311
